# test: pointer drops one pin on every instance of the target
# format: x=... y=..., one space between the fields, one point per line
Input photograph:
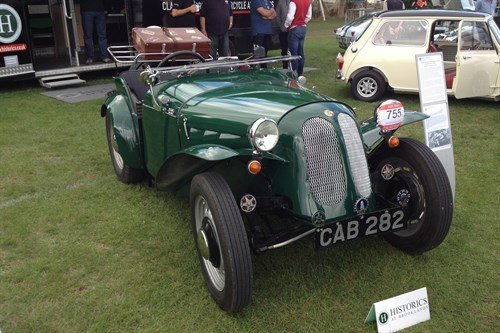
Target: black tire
x=228 y=271
x=124 y=173
x=420 y=182
x=368 y=86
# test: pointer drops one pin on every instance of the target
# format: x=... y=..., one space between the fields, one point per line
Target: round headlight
x=264 y=134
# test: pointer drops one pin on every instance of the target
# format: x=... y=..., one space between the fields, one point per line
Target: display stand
x=434 y=103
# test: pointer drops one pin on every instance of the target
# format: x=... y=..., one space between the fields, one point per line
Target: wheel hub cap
x=209 y=249
x=367 y=87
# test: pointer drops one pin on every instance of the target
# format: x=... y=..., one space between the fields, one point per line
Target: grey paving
x=80 y=94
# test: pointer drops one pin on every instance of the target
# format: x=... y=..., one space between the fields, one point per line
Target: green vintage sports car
x=249 y=142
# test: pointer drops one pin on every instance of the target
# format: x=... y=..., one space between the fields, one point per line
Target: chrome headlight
x=264 y=134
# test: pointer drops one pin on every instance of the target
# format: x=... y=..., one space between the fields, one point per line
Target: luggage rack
x=127 y=54
x=221 y=63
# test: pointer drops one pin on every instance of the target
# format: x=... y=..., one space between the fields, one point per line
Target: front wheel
x=221 y=241
x=368 y=86
x=411 y=175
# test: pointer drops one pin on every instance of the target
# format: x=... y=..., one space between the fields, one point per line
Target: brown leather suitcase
x=189 y=39
x=152 y=40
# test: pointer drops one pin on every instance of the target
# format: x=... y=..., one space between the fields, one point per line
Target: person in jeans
x=299 y=13
x=281 y=13
x=93 y=15
x=262 y=14
x=216 y=19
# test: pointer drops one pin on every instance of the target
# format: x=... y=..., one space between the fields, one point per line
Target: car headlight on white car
x=264 y=134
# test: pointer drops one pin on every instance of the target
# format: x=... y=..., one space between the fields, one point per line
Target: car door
x=478 y=61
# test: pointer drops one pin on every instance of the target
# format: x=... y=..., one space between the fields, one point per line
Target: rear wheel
x=124 y=173
x=411 y=175
x=221 y=242
x=368 y=86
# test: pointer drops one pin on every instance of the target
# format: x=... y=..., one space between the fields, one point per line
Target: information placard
x=434 y=103
x=397 y=313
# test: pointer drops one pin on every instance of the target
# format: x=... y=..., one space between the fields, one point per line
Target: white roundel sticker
x=390 y=115
x=10 y=24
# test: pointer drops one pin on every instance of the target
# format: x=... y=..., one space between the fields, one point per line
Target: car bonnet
x=231 y=103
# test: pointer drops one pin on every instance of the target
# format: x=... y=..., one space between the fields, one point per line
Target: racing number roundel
x=10 y=24
x=390 y=115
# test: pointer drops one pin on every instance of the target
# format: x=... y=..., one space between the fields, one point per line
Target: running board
x=60 y=81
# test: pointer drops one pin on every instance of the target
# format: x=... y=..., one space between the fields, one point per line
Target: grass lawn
x=79 y=251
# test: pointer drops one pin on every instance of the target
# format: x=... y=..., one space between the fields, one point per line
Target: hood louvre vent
x=324 y=161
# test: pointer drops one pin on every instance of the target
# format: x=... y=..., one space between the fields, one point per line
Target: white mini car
x=384 y=55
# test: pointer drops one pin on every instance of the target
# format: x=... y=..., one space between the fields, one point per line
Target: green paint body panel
x=124 y=120
x=199 y=123
x=292 y=179
x=371 y=133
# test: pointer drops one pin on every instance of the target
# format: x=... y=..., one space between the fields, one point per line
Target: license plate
x=376 y=223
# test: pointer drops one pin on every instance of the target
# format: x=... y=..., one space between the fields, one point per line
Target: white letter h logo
x=8 y=24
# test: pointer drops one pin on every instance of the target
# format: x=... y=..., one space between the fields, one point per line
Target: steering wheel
x=180 y=53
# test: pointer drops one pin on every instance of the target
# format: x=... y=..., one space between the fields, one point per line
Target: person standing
x=93 y=15
x=395 y=5
x=486 y=6
x=299 y=13
x=262 y=14
x=183 y=13
x=281 y=13
x=216 y=19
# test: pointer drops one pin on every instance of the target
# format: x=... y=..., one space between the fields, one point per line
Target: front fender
x=182 y=166
x=371 y=132
x=124 y=127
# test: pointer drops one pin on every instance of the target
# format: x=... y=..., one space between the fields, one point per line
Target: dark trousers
x=220 y=45
x=284 y=46
x=264 y=41
x=89 y=20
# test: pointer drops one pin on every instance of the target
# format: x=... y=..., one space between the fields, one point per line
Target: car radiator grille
x=324 y=161
x=355 y=154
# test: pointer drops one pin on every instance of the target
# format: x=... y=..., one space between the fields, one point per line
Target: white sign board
x=434 y=103
x=400 y=312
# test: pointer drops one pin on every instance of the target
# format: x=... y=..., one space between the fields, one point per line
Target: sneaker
x=106 y=60
x=89 y=62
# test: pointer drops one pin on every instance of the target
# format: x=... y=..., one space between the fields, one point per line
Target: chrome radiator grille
x=324 y=161
x=355 y=154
